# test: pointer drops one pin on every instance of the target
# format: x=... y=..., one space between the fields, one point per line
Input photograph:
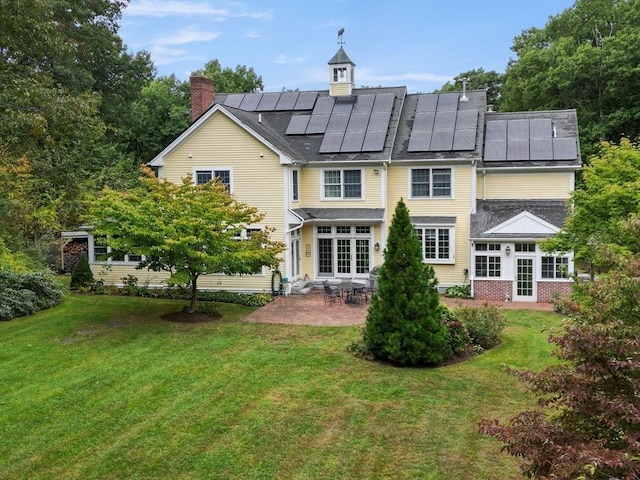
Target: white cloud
x=186 y=35
x=254 y=34
x=162 y=8
x=284 y=60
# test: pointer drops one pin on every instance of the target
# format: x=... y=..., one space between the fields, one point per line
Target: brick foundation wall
x=492 y=289
x=547 y=290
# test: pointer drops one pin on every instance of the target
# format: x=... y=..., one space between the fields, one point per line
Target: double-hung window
x=431 y=183
x=342 y=184
x=437 y=243
x=487 y=260
x=555 y=267
x=203 y=176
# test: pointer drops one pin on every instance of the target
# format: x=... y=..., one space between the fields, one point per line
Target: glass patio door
x=524 y=287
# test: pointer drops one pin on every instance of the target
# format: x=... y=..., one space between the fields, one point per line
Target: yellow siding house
x=328 y=167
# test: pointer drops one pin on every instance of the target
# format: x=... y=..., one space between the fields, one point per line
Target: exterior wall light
x=507 y=250
x=377 y=247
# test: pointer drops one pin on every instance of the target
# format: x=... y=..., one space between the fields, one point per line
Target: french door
x=295 y=254
x=344 y=256
x=524 y=288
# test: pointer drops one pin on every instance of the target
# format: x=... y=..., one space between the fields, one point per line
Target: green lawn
x=102 y=387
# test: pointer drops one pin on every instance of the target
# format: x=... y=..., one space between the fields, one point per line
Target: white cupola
x=341 y=69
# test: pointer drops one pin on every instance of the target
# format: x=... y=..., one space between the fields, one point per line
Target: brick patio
x=311 y=309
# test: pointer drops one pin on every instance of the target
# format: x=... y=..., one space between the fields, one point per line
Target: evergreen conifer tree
x=403 y=322
x=81 y=276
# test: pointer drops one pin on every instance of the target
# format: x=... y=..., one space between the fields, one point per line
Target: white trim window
x=489 y=264
x=102 y=253
x=438 y=243
x=340 y=74
x=554 y=268
x=342 y=184
x=222 y=174
x=431 y=182
x=295 y=186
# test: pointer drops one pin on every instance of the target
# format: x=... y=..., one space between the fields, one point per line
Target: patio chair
x=331 y=294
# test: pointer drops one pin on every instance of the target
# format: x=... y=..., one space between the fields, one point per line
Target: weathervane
x=340 y=33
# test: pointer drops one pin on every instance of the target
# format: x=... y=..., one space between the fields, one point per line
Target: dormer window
x=340 y=74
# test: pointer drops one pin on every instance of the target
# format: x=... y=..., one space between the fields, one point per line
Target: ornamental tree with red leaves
x=588 y=423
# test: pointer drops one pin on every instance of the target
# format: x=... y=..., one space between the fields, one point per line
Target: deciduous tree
x=187 y=230
x=479 y=79
x=227 y=80
x=588 y=423
x=603 y=206
x=403 y=322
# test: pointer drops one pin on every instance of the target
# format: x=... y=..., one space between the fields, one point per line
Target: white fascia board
x=158 y=160
x=524 y=222
x=516 y=169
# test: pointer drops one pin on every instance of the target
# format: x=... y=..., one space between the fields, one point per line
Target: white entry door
x=524 y=287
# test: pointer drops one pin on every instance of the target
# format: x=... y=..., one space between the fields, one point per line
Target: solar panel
x=352 y=142
x=496 y=130
x=250 y=102
x=374 y=141
x=565 y=149
x=495 y=150
x=540 y=128
x=441 y=140
x=234 y=100
x=423 y=121
x=517 y=129
x=447 y=102
x=518 y=149
x=337 y=123
x=287 y=101
x=467 y=119
x=419 y=142
x=358 y=122
x=331 y=142
x=324 y=106
x=464 y=139
x=445 y=121
x=317 y=124
x=541 y=149
x=379 y=121
x=364 y=103
x=268 y=102
x=306 y=101
x=383 y=102
x=298 y=125
x=342 y=107
x=427 y=103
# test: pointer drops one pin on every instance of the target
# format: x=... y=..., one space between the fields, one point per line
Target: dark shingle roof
x=491 y=213
x=340 y=57
x=340 y=214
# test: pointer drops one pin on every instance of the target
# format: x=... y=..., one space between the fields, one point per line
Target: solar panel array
x=526 y=139
x=351 y=125
x=439 y=126
x=271 y=102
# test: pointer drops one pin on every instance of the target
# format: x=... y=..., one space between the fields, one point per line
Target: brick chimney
x=201 y=95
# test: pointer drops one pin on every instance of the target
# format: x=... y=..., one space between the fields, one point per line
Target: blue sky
x=416 y=43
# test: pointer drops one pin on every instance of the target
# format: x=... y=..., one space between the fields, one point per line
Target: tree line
x=79 y=112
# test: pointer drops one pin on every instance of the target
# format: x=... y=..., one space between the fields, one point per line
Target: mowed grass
x=103 y=388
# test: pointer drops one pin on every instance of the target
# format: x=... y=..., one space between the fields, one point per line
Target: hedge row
x=27 y=293
x=132 y=289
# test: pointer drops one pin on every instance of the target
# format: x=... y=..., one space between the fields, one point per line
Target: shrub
x=81 y=276
x=459 y=338
x=484 y=324
x=26 y=293
x=459 y=291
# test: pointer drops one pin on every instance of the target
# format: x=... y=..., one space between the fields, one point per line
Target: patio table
x=354 y=292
